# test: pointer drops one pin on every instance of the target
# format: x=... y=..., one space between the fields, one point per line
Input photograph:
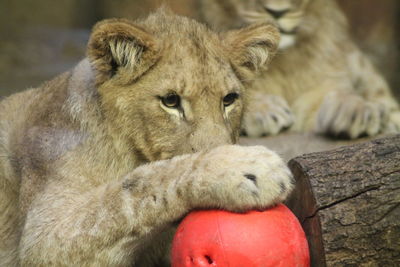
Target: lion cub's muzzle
x=210 y=135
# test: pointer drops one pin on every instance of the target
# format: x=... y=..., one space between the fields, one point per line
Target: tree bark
x=348 y=201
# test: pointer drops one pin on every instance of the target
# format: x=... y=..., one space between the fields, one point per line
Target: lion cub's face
x=287 y=14
x=170 y=86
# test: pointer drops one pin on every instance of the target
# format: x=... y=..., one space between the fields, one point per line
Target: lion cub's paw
x=350 y=116
x=242 y=178
x=393 y=124
x=266 y=115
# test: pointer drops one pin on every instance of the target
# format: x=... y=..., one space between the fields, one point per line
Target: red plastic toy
x=271 y=238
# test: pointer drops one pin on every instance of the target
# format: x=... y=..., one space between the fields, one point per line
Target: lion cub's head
x=168 y=85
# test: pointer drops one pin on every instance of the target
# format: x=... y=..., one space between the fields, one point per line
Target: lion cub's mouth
x=288 y=32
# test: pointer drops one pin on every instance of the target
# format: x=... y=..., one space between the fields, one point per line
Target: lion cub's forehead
x=184 y=36
x=194 y=59
x=196 y=73
x=200 y=69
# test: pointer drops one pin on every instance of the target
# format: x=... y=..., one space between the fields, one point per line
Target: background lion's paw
x=393 y=124
x=350 y=116
x=266 y=115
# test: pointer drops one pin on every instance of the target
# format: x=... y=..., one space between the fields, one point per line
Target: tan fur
x=94 y=168
x=329 y=85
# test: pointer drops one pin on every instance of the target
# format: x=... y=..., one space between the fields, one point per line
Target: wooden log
x=348 y=201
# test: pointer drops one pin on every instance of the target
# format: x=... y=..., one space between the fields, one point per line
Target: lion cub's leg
x=266 y=114
x=365 y=108
x=371 y=85
x=339 y=113
x=112 y=224
x=354 y=103
x=350 y=115
x=393 y=125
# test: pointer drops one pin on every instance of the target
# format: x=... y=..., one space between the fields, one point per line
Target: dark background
x=41 y=38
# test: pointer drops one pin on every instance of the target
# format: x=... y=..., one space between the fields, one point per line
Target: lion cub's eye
x=171 y=100
x=230 y=98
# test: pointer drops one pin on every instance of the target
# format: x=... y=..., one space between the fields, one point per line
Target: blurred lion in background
x=319 y=81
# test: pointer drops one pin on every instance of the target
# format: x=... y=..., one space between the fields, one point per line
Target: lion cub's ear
x=252 y=48
x=119 y=45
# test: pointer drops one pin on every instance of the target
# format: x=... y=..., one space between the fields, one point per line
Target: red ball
x=273 y=237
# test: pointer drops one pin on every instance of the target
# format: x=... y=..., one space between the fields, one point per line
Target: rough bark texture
x=348 y=201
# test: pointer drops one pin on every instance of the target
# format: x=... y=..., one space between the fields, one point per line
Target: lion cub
x=319 y=81
x=95 y=165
